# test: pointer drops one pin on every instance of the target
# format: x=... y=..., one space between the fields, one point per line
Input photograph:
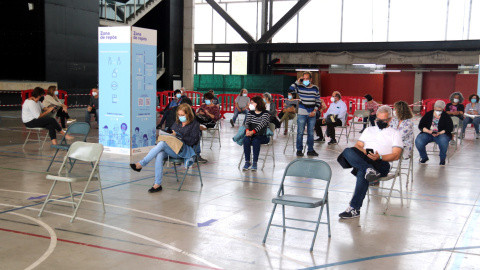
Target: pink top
x=372 y=107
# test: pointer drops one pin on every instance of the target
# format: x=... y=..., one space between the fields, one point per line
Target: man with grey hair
x=377 y=146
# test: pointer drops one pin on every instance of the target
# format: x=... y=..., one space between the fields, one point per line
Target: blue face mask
x=306 y=82
x=264 y=100
x=474 y=100
x=56 y=93
x=182 y=119
x=290 y=97
x=208 y=102
x=244 y=95
x=179 y=95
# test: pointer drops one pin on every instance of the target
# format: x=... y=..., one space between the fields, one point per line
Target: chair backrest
x=84 y=151
x=361 y=113
x=79 y=128
x=307 y=168
x=456 y=122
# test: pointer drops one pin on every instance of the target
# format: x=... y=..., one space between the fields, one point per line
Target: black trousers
x=46 y=122
x=63 y=116
x=330 y=128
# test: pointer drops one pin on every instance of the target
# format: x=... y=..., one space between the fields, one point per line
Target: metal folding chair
x=76 y=129
x=215 y=134
x=392 y=175
x=39 y=131
x=359 y=114
x=343 y=128
x=89 y=152
x=179 y=161
x=305 y=168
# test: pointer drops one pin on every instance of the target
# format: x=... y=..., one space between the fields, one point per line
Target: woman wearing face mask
x=435 y=126
x=208 y=113
x=402 y=121
x=256 y=128
x=372 y=106
x=51 y=99
x=337 y=108
x=177 y=100
x=289 y=111
x=473 y=108
x=455 y=108
x=187 y=130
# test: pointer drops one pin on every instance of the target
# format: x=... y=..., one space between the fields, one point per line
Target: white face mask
x=394 y=113
x=251 y=107
x=438 y=113
x=456 y=100
x=332 y=99
x=94 y=93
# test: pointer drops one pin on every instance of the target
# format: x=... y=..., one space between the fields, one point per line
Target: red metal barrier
x=427 y=104
x=227 y=103
x=164 y=98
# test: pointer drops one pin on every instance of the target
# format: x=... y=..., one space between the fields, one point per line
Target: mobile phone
x=168 y=130
x=370 y=151
x=301 y=80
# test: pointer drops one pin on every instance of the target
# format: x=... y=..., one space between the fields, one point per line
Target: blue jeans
x=424 y=138
x=159 y=152
x=254 y=141
x=87 y=115
x=469 y=120
x=361 y=162
x=235 y=115
x=310 y=122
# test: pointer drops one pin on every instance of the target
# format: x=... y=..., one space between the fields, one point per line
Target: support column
x=417 y=90
x=478 y=86
x=188 y=46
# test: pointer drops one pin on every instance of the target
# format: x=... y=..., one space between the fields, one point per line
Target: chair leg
x=390 y=195
x=283 y=217
x=44 y=140
x=273 y=153
x=101 y=192
x=175 y=168
x=241 y=158
x=286 y=144
x=79 y=202
x=269 y=223
x=71 y=194
x=52 y=160
x=185 y=175
x=26 y=140
x=316 y=228
x=266 y=155
x=199 y=173
x=401 y=190
x=48 y=197
x=328 y=219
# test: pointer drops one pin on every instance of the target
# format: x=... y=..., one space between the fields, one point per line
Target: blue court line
x=388 y=255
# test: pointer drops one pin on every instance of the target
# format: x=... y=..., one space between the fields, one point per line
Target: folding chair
x=456 y=132
x=306 y=168
x=397 y=173
x=292 y=132
x=409 y=169
x=179 y=161
x=269 y=145
x=343 y=128
x=77 y=129
x=215 y=130
x=359 y=114
x=39 y=131
x=89 y=152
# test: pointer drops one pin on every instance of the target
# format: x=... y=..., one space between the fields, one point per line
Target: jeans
x=372 y=119
x=160 y=152
x=87 y=115
x=310 y=122
x=469 y=120
x=361 y=162
x=424 y=138
x=254 y=141
x=235 y=115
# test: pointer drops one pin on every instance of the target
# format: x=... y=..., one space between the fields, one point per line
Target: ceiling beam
x=246 y=36
x=282 y=22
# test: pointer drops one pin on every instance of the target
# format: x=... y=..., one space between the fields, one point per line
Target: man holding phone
x=377 y=146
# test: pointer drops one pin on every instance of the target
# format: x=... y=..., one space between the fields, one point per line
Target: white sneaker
x=70 y=120
x=371 y=175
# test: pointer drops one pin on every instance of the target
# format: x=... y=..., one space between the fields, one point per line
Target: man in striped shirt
x=309 y=104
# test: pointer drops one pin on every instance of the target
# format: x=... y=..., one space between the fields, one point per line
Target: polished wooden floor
x=222 y=224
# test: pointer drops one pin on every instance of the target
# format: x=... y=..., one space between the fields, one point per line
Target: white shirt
x=267 y=107
x=381 y=141
x=339 y=109
x=31 y=110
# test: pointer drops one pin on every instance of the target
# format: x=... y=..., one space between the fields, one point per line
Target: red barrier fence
x=427 y=104
x=61 y=95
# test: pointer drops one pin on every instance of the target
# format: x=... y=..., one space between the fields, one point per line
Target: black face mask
x=382 y=124
x=42 y=98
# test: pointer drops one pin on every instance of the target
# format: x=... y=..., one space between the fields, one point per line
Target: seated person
x=35 y=115
x=215 y=99
x=51 y=99
x=241 y=106
x=402 y=121
x=184 y=128
x=256 y=128
x=271 y=109
x=177 y=100
x=455 y=107
x=289 y=111
x=371 y=106
x=208 y=114
x=435 y=126
x=384 y=144
x=92 y=107
x=338 y=109
x=473 y=108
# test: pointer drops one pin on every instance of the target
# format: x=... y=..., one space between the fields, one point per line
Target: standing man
x=308 y=106
x=92 y=107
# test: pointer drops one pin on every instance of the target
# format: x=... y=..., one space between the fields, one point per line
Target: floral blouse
x=406 y=129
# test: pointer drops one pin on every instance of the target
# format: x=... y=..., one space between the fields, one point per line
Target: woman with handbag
x=256 y=126
x=187 y=131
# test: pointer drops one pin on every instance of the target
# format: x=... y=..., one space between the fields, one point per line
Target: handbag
x=331 y=118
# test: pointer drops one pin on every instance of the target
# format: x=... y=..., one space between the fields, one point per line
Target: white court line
x=184 y=222
x=127 y=232
x=53 y=240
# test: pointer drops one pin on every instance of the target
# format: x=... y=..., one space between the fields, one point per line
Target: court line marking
x=186 y=253
x=109 y=249
x=53 y=240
